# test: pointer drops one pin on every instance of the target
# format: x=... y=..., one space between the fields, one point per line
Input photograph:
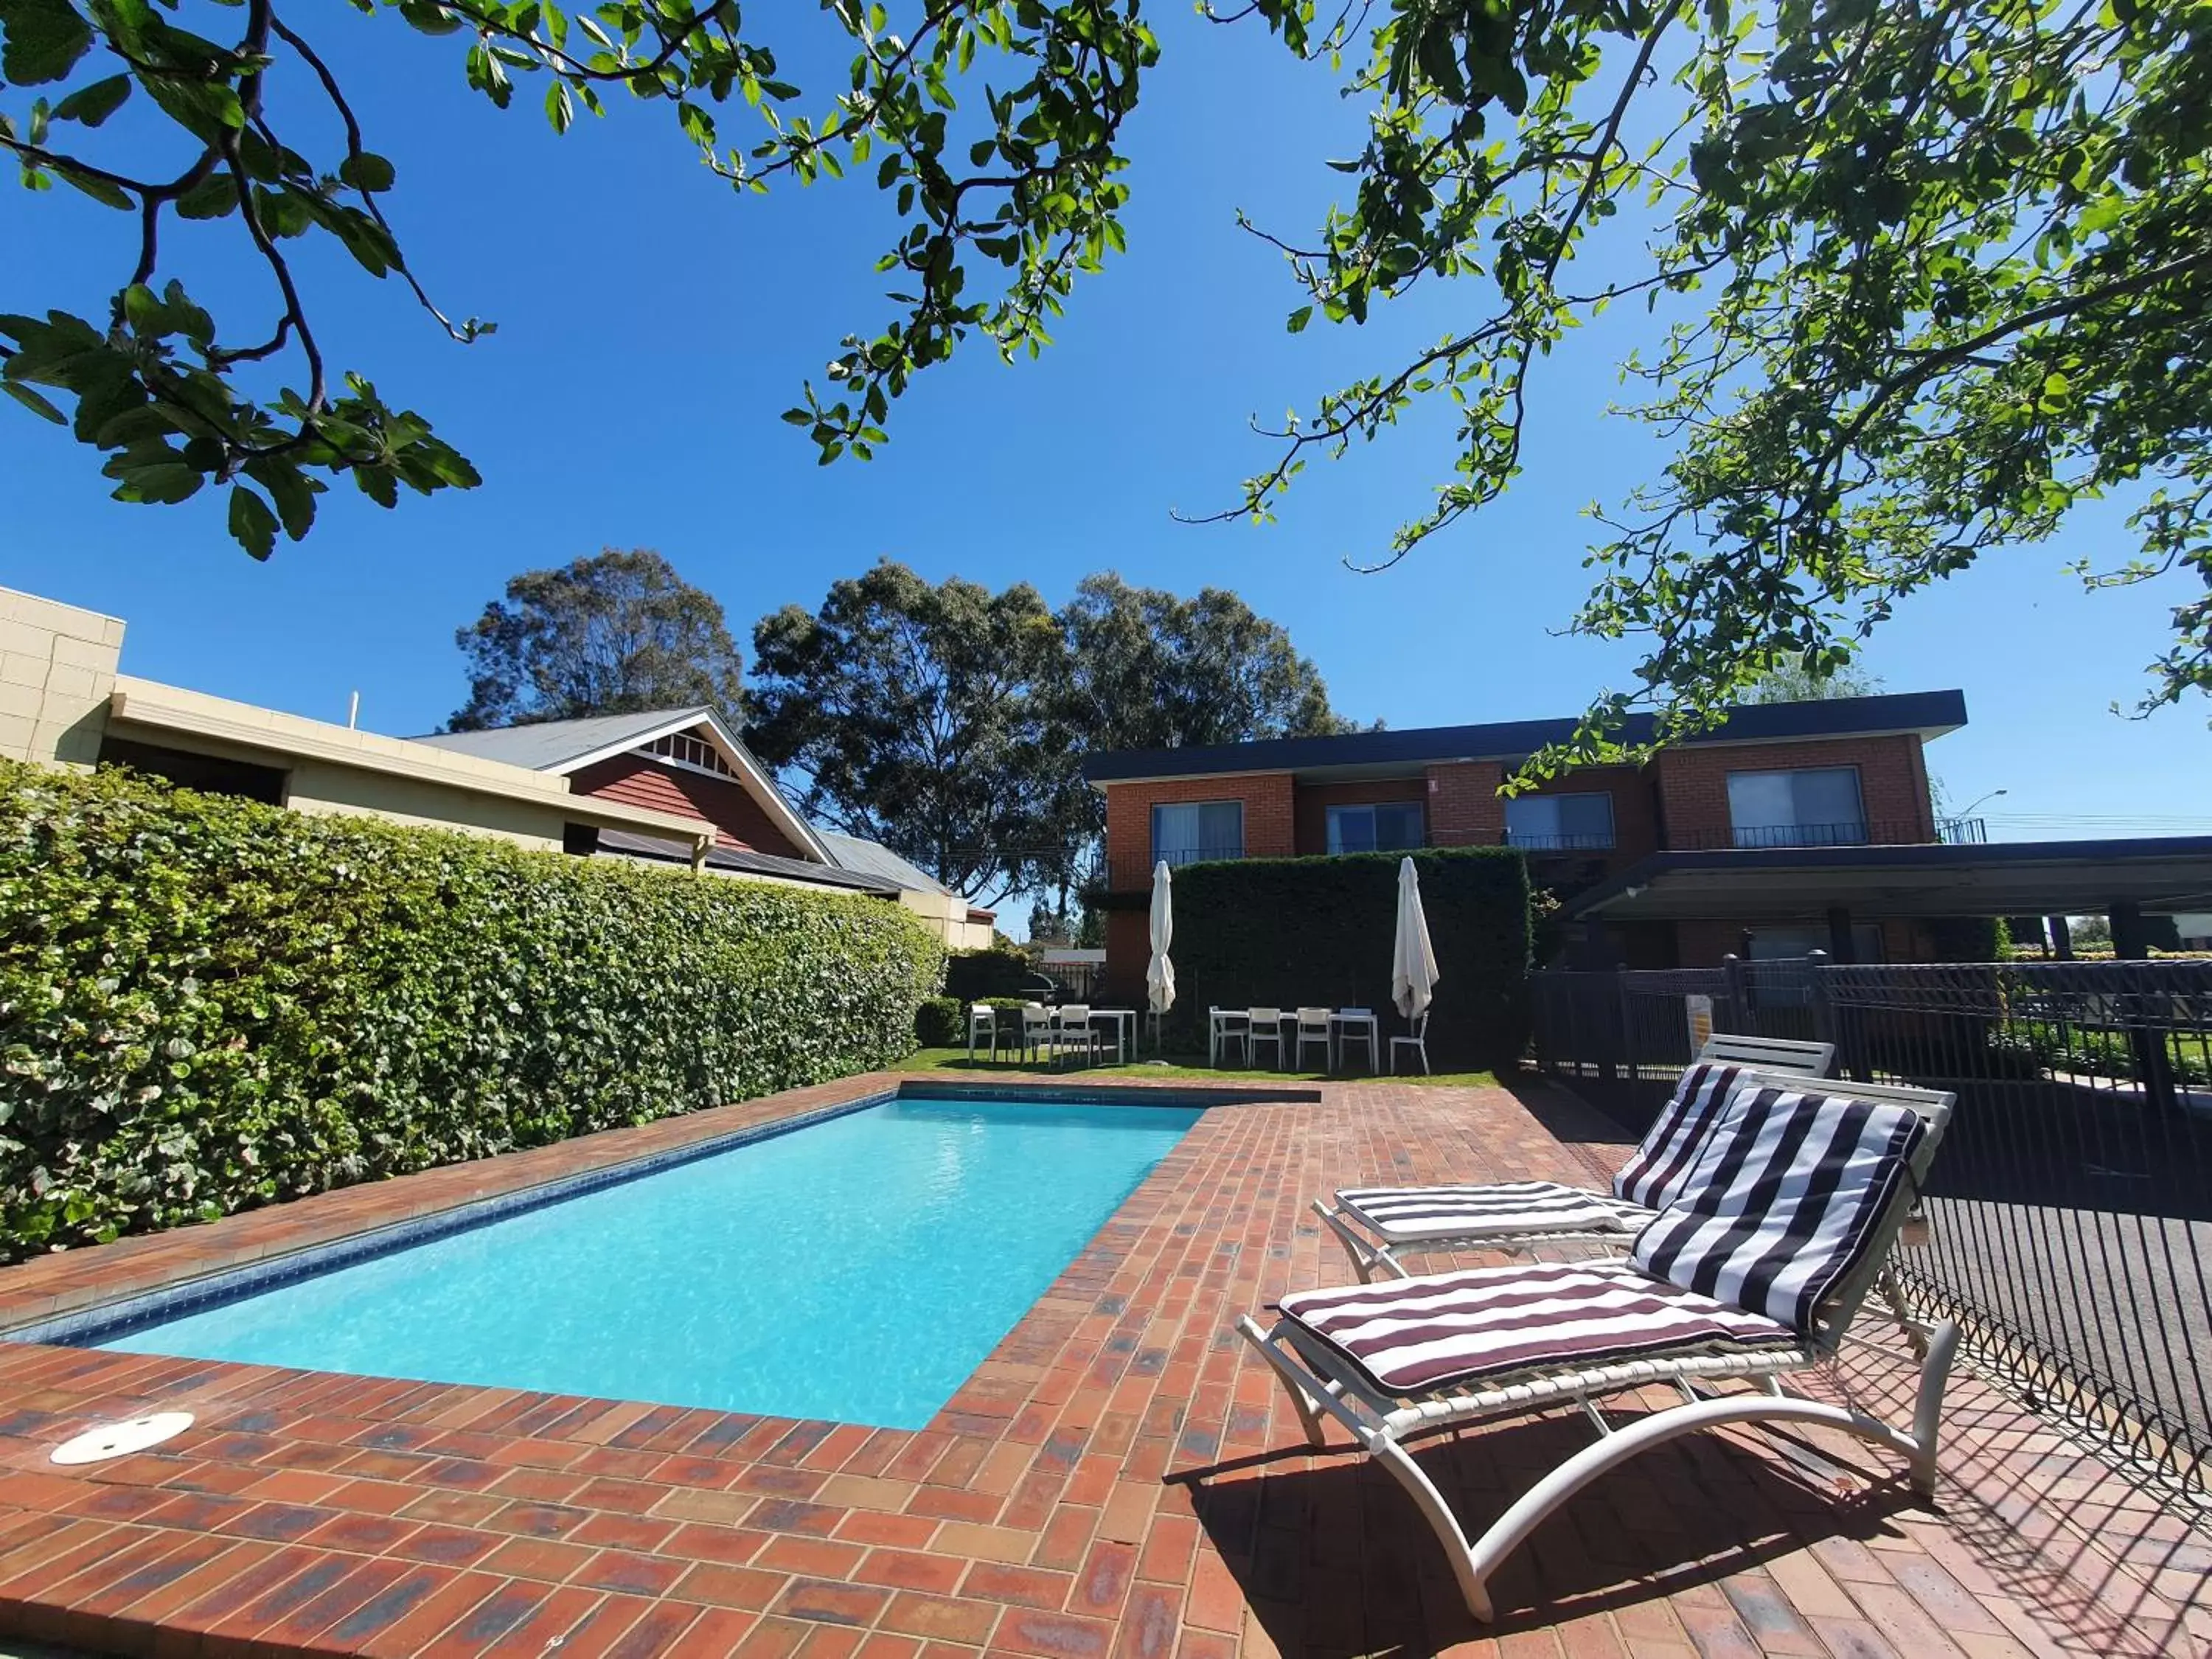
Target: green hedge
x=208 y=1005
x=1283 y=932
x=941 y=1022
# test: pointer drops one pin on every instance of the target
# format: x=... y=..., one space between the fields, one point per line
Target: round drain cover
x=114 y=1440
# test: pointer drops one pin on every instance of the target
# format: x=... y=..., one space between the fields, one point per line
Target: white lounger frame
x=1322 y=1383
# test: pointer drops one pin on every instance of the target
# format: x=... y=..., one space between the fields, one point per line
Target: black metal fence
x=2071 y=1203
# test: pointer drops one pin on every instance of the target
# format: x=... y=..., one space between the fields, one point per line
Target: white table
x=1125 y=1030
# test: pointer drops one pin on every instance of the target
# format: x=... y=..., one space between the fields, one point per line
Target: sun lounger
x=1375 y=1224
x=1795 y=1206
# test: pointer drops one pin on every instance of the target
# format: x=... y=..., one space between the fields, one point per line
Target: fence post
x=1738 y=994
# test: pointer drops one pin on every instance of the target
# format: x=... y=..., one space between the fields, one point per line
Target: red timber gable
x=643 y=781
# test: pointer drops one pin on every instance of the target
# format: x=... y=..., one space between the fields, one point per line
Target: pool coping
x=200 y=1283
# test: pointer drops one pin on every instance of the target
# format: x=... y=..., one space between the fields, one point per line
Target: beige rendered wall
x=946 y=916
x=57 y=667
x=317 y=786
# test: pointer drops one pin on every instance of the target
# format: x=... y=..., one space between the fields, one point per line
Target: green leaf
x=367 y=172
x=1299 y=319
x=252 y=523
x=559 y=108
x=91 y=104
x=32 y=401
x=43 y=40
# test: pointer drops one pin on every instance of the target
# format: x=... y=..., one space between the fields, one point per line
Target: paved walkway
x=1120 y=1479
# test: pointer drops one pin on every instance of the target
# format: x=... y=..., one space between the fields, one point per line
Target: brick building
x=1846 y=772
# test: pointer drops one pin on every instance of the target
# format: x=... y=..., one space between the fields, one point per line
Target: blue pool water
x=858 y=1269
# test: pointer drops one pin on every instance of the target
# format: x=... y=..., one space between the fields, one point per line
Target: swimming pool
x=857 y=1269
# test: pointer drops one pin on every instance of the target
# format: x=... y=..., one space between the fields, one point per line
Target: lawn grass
x=1193 y=1066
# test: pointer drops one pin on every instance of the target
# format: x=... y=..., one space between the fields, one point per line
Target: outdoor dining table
x=1125 y=1030
x=1342 y=1023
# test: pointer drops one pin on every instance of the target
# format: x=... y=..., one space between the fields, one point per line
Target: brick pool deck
x=1119 y=1479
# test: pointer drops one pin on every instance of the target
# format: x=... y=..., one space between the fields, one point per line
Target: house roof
x=170 y=715
x=1383 y=754
x=749 y=862
x=872 y=858
x=2163 y=874
x=563 y=745
x=566 y=746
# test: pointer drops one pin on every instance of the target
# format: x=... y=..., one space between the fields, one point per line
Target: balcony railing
x=1559 y=843
x=1858 y=832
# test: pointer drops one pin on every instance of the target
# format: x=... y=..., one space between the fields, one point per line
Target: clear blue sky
x=654 y=325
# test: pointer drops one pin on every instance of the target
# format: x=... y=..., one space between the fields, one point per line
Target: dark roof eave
x=1929 y=714
x=2135 y=867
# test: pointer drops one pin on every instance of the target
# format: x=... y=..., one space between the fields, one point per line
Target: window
x=1817 y=808
x=1381 y=827
x=210 y=774
x=1573 y=823
x=690 y=751
x=1189 y=832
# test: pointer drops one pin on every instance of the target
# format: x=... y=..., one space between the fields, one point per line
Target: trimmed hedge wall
x=208 y=1005
x=1283 y=932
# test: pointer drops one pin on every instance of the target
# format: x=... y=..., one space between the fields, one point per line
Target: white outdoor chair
x=1222 y=1030
x=1037 y=1030
x=1759 y=1274
x=1073 y=1028
x=1313 y=1027
x=1265 y=1026
x=1418 y=1042
x=983 y=1023
x=1362 y=1033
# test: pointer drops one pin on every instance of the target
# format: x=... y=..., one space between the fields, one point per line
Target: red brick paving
x=1118 y=1481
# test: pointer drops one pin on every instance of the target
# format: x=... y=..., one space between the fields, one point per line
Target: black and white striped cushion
x=1656 y=1172
x=1783 y=1202
x=1415 y=1335
x=1407 y=1214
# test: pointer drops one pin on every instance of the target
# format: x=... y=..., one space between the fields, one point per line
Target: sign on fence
x=1698 y=1010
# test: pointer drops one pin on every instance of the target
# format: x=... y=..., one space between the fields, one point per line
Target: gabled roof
x=872 y=858
x=565 y=747
x=1384 y=754
x=758 y=863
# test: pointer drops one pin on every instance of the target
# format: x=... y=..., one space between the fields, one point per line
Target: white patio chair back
x=982 y=1022
x=1073 y=1022
x=1418 y=1042
x=1036 y=1029
x=1266 y=1025
x=1362 y=1032
x=1223 y=1027
x=1313 y=1029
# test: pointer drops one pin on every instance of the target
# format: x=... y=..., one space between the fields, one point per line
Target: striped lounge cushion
x=1659 y=1167
x=1416 y=1335
x=1784 y=1200
x=1404 y=1214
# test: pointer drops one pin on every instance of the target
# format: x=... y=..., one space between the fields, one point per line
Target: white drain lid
x=115 y=1439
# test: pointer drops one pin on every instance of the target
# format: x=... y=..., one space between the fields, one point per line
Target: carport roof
x=2163 y=875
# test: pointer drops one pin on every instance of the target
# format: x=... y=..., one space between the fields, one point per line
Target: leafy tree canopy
x=1795 y=680
x=1148 y=669
x=619 y=633
x=950 y=723
x=1939 y=271
x=916 y=715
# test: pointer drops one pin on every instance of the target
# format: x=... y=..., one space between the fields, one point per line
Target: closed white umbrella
x=1412 y=962
x=1159 y=975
